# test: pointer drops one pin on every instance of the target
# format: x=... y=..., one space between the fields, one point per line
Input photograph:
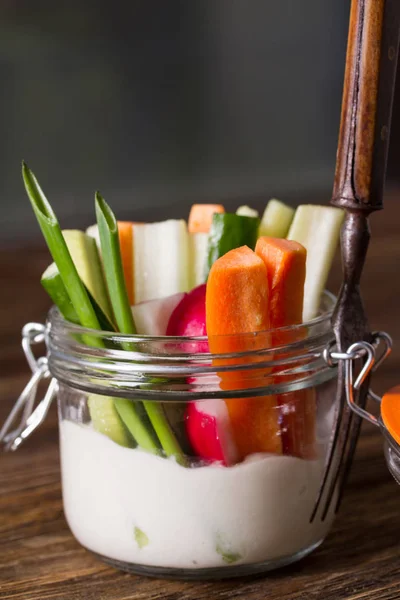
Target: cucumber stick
x=276 y=219
x=161 y=259
x=317 y=228
x=86 y=258
x=229 y=231
x=106 y=420
x=54 y=286
x=247 y=211
x=198 y=243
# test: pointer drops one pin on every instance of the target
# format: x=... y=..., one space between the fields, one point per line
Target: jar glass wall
x=180 y=463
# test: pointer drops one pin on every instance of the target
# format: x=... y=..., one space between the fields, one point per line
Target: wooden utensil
x=369 y=82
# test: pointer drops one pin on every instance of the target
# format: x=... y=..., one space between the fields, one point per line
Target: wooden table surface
x=40 y=559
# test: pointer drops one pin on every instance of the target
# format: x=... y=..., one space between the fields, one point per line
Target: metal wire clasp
x=369 y=352
x=12 y=436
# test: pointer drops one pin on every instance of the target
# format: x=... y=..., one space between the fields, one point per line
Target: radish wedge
x=86 y=258
x=317 y=228
x=161 y=257
x=189 y=319
x=208 y=428
x=198 y=258
x=276 y=219
x=152 y=317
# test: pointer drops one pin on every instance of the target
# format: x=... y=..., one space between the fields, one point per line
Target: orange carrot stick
x=237 y=303
x=125 y=231
x=200 y=217
x=286 y=270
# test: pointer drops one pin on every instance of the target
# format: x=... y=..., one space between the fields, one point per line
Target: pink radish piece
x=207 y=421
x=209 y=431
x=189 y=319
x=152 y=317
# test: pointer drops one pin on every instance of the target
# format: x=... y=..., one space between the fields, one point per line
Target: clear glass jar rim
x=56 y=320
x=163 y=368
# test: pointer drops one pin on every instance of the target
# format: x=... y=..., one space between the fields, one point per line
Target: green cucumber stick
x=229 y=231
x=317 y=228
x=110 y=249
x=107 y=420
x=59 y=251
x=84 y=253
x=276 y=219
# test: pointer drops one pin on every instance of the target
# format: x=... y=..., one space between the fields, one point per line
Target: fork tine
x=355 y=427
x=330 y=456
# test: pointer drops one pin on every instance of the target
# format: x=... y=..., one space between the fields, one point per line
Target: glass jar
x=180 y=463
x=240 y=505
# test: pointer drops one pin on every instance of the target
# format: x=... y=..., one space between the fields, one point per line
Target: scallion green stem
x=113 y=269
x=76 y=290
x=58 y=249
x=168 y=440
x=111 y=253
x=128 y=412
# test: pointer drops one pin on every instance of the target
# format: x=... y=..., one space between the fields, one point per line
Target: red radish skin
x=207 y=422
x=189 y=319
x=209 y=431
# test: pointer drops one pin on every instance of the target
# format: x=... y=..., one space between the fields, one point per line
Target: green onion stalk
x=84 y=306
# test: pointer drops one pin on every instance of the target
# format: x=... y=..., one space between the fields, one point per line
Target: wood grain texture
x=39 y=558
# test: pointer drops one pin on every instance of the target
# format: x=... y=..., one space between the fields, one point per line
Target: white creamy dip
x=139 y=508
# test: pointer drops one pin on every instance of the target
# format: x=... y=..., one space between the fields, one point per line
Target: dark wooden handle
x=367 y=104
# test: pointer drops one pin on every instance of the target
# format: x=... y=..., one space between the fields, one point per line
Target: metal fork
x=371 y=60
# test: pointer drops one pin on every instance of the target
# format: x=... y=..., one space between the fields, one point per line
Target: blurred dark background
x=162 y=103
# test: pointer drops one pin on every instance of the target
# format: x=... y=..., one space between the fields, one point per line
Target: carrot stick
x=285 y=261
x=200 y=217
x=125 y=231
x=237 y=303
x=286 y=271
